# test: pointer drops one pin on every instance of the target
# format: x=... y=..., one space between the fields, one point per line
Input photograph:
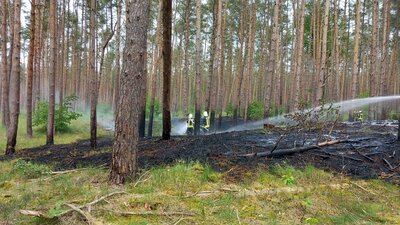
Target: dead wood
x=89 y=218
x=300 y=149
x=388 y=164
x=155 y=213
x=365 y=156
x=74 y=208
x=33 y=213
x=344 y=156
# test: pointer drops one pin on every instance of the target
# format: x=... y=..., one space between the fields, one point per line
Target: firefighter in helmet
x=190 y=124
x=359 y=116
x=205 y=122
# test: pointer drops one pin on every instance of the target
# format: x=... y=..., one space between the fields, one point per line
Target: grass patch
x=80 y=130
x=179 y=187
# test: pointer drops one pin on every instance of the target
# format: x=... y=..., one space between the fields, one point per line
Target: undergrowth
x=294 y=196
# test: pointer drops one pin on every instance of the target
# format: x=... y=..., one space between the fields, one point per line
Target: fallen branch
x=292 y=150
x=33 y=213
x=87 y=205
x=344 y=156
x=365 y=156
x=388 y=163
x=363 y=188
x=64 y=172
x=277 y=143
x=89 y=218
x=301 y=149
x=154 y=213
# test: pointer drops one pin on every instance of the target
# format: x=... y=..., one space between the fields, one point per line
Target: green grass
x=180 y=187
x=79 y=131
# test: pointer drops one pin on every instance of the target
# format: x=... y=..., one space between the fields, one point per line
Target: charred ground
x=373 y=153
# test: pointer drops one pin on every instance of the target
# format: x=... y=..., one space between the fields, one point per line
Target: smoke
x=343 y=106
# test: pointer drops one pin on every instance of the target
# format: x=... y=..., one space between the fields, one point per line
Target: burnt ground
x=364 y=158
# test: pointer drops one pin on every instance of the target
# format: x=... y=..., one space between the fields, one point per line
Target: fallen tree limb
x=154 y=213
x=64 y=172
x=89 y=218
x=33 y=213
x=39 y=214
x=344 y=156
x=292 y=150
x=301 y=149
x=388 y=164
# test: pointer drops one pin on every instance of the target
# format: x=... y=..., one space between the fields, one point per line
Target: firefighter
x=205 y=122
x=190 y=125
x=359 y=116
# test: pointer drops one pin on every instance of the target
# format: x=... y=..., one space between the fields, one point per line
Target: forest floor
x=213 y=179
x=374 y=152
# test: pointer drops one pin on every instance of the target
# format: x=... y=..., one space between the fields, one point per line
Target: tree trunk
x=118 y=55
x=52 y=71
x=156 y=68
x=4 y=68
x=30 y=72
x=185 y=81
x=322 y=72
x=299 y=64
x=15 y=81
x=272 y=62
x=374 y=57
x=93 y=75
x=124 y=156
x=166 y=15
x=355 y=58
x=197 y=99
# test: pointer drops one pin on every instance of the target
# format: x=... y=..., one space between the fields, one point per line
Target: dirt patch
x=376 y=155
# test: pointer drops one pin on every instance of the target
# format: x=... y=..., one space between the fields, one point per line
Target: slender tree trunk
x=166 y=15
x=322 y=72
x=156 y=68
x=374 y=57
x=52 y=71
x=15 y=81
x=355 y=57
x=118 y=55
x=197 y=99
x=185 y=81
x=93 y=75
x=272 y=62
x=336 y=63
x=30 y=72
x=299 y=64
x=124 y=156
x=4 y=73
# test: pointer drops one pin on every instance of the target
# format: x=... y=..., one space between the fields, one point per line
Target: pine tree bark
x=272 y=62
x=52 y=71
x=336 y=62
x=374 y=57
x=15 y=81
x=124 y=156
x=93 y=75
x=355 y=58
x=166 y=15
x=185 y=81
x=299 y=64
x=118 y=55
x=4 y=68
x=322 y=70
x=30 y=72
x=156 y=68
x=198 y=84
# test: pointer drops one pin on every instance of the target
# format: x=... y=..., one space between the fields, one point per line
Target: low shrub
x=256 y=110
x=63 y=115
